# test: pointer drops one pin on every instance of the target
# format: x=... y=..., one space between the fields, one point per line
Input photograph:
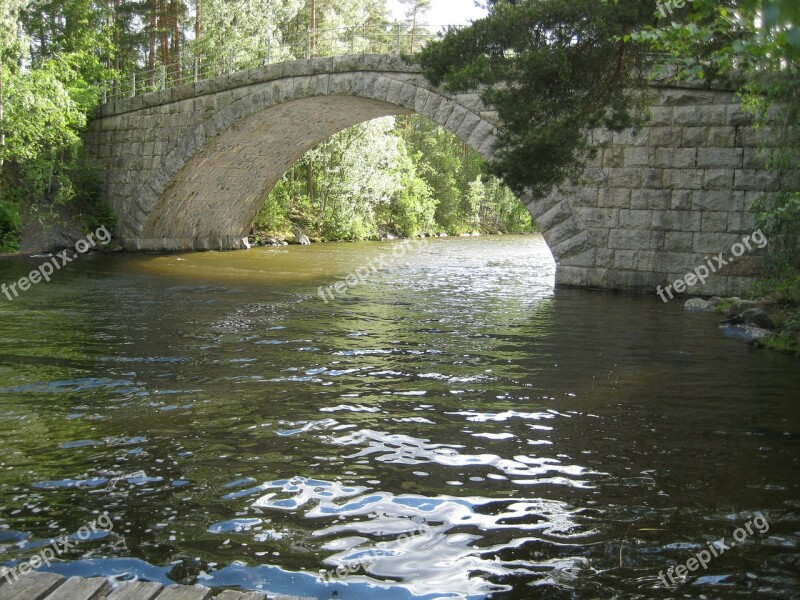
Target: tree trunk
x=163 y=26
x=313 y=26
x=153 y=34
x=198 y=20
x=176 y=37
x=310 y=181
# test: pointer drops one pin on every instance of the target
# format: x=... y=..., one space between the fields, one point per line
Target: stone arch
x=228 y=141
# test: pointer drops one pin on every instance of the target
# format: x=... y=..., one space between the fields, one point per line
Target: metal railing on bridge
x=392 y=38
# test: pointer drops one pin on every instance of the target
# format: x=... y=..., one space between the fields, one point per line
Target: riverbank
x=273 y=238
x=770 y=321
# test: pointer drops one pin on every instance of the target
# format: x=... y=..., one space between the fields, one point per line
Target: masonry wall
x=659 y=202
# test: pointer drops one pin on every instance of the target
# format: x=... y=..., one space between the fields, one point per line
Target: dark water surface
x=531 y=443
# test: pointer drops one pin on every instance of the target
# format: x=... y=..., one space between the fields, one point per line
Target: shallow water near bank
x=452 y=428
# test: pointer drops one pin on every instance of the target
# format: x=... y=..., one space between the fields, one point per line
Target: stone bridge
x=189 y=167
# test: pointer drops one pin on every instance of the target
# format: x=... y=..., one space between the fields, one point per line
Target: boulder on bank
x=751 y=334
x=301 y=238
x=698 y=305
x=752 y=316
x=758 y=317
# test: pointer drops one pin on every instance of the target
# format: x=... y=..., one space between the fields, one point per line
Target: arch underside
x=216 y=195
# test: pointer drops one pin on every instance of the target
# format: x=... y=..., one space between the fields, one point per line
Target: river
x=451 y=427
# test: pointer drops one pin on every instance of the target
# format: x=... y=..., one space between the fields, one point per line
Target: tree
x=415 y=14
x=553 y=69
x=47 y=88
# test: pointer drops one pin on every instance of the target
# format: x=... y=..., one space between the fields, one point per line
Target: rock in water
x=758 y=317
x=301 y=238
x=747 y=333
x=698 y=305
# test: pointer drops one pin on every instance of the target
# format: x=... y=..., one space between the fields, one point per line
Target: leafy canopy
x=552 y=69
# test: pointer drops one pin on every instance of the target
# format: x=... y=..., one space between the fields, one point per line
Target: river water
x=451 y=428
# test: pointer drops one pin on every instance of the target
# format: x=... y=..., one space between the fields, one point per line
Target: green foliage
x=401 y=176
x=784 y=291
x=49 y=68
x=553 y=69
x=10 y=222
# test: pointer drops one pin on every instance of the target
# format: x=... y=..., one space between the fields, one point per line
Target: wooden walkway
x=49 y=586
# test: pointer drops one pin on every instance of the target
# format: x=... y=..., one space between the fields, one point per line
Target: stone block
x=698 y=116
x=613 y=157
x=714 y=221
x=718 y=179
x=624 y=178
x=677 y=262
x=683 y=179
x=761 y=181
x=681 y=199
x=741 y=222
x=678 y=241
x=572 y=276
x=468 y=125
x=753 y=159
x=631 y=137
x=659 y=116
x=694 y=137
x=675 y=158
x=456 y=118
x=575 y=244
x=665 y=137
x=555 y=215
x=624 y=259
x=650 y=199
x=633 y=239
x=737 y=117
x=721 y=137
x=599 y=217
x=715 y=200
x=640 y=281
x=676 y=220
x=748 y=137
x=614 y=198
x=714 y=243
x=717 y=158
x=684 y=97
x=646 y=260
x=601 y=136
x=638 y=157
x=395 y=91
x=635 y=219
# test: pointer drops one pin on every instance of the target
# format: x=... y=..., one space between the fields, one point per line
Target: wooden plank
x=231 y=595
x=77 y=588
x=185 y=592
x=3 y=571
x=135 y=590
x=31 y=586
